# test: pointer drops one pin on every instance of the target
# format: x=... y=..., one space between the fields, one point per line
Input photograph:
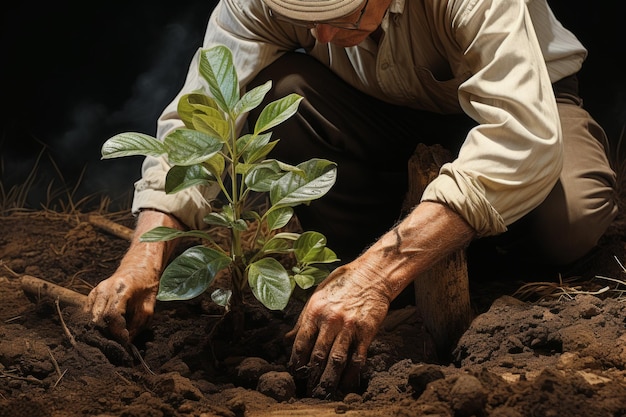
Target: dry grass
x=571 y=287
x=61 y=199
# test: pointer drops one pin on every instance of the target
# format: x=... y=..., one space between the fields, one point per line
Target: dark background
x=75 y=74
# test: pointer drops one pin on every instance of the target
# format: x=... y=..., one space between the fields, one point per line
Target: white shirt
x=494 y=60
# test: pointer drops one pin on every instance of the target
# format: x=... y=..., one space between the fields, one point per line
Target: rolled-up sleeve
x=511 y=160
x=252 y=50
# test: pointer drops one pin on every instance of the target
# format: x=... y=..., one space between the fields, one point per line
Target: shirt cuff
x=466 y=197
x=189 y=206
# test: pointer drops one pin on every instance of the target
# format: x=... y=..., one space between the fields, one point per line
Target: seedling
x=208 y=151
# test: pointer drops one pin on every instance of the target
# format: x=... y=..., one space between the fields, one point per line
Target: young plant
x=207 y=151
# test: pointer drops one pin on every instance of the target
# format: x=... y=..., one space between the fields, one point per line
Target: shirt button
x=385 y=66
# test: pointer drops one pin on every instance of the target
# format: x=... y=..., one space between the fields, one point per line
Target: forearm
x=429 y=233
x=150 y=256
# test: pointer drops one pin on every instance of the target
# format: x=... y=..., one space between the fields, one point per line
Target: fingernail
x=321 y=393
x=302 y=372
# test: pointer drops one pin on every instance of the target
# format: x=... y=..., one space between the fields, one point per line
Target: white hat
x=314 y=10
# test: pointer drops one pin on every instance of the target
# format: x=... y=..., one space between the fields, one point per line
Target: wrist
x=148 y=259
x=426 y=235
x=145 y=260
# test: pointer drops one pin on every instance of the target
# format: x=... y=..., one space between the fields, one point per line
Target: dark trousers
x=371 y=141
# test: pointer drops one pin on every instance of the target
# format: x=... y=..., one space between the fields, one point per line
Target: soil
x=554 y=349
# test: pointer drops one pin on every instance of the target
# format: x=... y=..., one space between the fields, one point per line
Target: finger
x=335 y=365
x=301 y=351
x=139 y=317
x=116 y=326
x=291 y=334
x=351 y=379
x=317 y=364
x=319 y=356
x=88 y=306
x=112 y=319
x=97 y=305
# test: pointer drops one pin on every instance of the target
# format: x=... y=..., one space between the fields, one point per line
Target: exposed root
x=40 y=288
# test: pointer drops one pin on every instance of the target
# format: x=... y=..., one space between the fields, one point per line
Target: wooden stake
x=442 y=293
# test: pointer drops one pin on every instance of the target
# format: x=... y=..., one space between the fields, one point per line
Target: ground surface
x=562 y=357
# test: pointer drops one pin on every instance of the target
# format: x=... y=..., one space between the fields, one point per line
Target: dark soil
x=564 y=355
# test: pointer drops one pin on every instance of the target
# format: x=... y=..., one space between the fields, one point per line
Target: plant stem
x=236 y=247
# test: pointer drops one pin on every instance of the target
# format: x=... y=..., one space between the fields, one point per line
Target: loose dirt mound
x=561 y=357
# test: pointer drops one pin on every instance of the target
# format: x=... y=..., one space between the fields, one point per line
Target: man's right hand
x=124 y=303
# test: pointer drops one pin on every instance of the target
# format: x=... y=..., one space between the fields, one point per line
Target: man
x=378 y=77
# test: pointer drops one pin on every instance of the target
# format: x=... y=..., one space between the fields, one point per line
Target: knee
x=564 y=247
x=564 y=239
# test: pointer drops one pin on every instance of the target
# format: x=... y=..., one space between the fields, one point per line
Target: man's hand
x=343 y=315
x=335 y=329
x=124 y=303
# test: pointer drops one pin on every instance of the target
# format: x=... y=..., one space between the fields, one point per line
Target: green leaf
x=195 y=103
x=287 y=236
x=226 y=218
x=221 y=297
x=260 y=177
x=216 y=165
x=310 y=276
x=191 y=273
x=212 y=125
x=327 y=256
x=260 y=153
x=252 y=99
x=200 y=112
x=277 y=112
x=309 y=246
x=242 y=169
x=217 y=219
x=270 y=283
x=250 y=215
x=240 y=225
x=180 y=177
x=190 y=147
x=277 y=244
x=132 y=144
x=292 y=189
x=255 y=148
x=216 y=66
x=279 y=218
x=162 y=233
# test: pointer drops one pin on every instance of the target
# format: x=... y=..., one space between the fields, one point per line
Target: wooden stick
x=110 y=226
x=442 y=293
x=41 y=288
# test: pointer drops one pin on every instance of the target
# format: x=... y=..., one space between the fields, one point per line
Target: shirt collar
x=397 y=7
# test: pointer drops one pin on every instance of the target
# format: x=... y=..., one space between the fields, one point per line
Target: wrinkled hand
x=342 y=317
x=124 y=303
x=335 y=329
